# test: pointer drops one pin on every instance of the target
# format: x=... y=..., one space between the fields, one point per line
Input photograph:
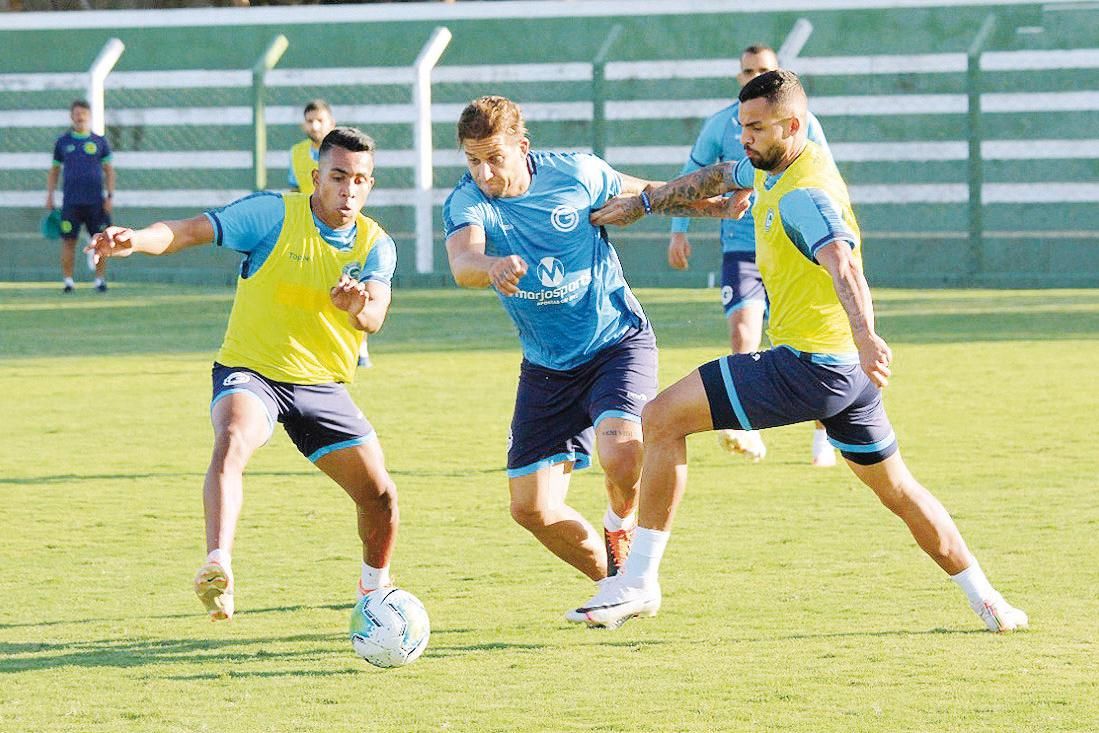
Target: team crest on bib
x=769 y=220
x=565 y=218
x=236 y=378
x=353 y=270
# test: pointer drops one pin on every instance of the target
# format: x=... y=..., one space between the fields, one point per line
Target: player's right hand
x=505 y=273
x=111 y=242
x=679 y=251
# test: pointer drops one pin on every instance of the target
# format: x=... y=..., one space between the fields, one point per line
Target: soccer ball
x=389 y=627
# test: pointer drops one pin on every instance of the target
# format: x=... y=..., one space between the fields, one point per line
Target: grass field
x=792 y=600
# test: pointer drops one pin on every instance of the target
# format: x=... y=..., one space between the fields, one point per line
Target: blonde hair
x=488 y=116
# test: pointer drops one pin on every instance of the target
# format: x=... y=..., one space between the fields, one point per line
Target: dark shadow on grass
x=197 y=614
x=141 y=652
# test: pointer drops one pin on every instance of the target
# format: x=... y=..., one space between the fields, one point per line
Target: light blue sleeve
x=744 y=173
x=706 y=151
x=381 y=262
x=250 y=223
x=602 y=181
x=816 y=133
x=812 y=219
x=463 y=208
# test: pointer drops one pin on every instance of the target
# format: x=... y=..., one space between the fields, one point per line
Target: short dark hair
x=82 y=103
x=351 y=139
x=317 y=105
x=758 y=48
x=778 y=87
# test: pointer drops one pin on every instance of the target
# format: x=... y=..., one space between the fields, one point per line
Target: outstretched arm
x=472 y=268
x=854 y=294
x=161 y=238
x=695 y=194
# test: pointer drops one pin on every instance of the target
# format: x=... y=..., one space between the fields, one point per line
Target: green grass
x=792 y=600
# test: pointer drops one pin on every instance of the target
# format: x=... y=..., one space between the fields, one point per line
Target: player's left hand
x=619 y=211
x=875 y=356
x=349 y=295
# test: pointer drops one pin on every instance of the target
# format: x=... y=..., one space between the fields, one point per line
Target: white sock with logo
x=646 y=552
x=974 y=584
x=613 y=523
x=374 y=578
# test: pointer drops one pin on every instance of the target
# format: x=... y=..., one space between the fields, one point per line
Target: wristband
x=645 y=202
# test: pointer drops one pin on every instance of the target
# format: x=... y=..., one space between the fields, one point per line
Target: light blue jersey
x=573 y=300
x=251 y=226
x=719 y=141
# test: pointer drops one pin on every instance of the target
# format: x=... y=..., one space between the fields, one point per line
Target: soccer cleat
x=214 y=587
x=67 y=288
x=825 y=458
x=745 y=442
x=999 y=615
x=616 y=603
x=102 y=287
x=618 y=544
x=364 y=361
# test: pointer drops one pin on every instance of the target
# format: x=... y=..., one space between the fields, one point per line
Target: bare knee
x=622 y=464
x=232 y=449
x=378 y=496
x=530 y=516
x=658 y=421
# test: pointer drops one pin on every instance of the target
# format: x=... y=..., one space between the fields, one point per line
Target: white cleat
x=616 y=603
x=747 y=443
x=1000 y=616
x=825 y=458
x=214 y=587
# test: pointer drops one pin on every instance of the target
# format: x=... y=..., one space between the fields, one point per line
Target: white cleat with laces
x=999 y=615
x=616 y=603
x=747 y=443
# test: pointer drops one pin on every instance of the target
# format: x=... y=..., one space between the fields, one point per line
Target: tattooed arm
x=695 y=194
x=854 y=294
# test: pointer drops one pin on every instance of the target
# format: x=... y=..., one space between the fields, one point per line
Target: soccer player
x=518 y=222
x=315 y=275
x=742 y=293
x=316 y=123
x=82 y=160
x=827 y=362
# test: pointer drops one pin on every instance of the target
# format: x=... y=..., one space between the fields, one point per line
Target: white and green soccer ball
x=389 y=627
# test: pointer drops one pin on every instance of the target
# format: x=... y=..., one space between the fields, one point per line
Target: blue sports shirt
x=573 y=301
x=251 y=226
x=719 y=141
x=81 y=157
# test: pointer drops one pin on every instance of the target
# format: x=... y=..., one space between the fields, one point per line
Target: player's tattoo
x=713 y=180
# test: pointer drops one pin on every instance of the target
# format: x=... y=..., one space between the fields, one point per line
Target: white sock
x=613 y=523
x=646 y=552
x=974 y=584
x=98 y=281
x=820 y=441
x=69 y=282
x=221 y=557
x=374 y=578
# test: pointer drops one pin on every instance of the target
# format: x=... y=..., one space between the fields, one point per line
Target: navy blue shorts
x=741 y=283
x=319 y=418
x=92 y=217
x=781 y=386
x=556 y=411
